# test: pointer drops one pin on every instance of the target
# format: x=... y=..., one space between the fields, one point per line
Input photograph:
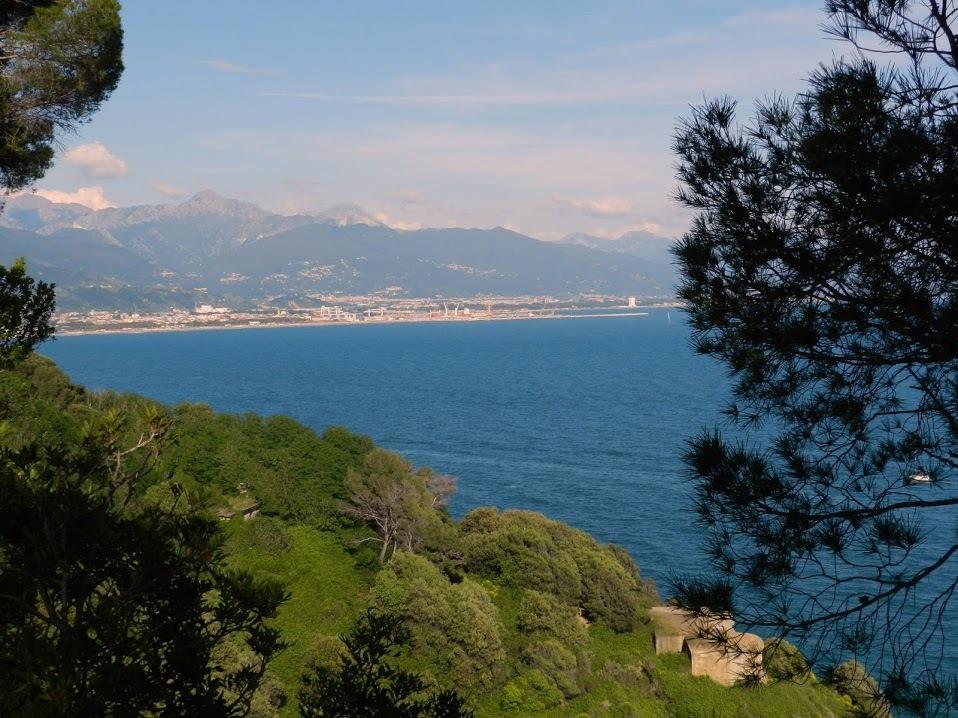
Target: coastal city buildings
x=349 y=310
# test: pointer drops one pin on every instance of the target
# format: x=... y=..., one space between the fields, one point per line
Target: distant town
x=354 y=310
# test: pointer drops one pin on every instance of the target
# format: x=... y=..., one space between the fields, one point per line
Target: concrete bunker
x=714 y=647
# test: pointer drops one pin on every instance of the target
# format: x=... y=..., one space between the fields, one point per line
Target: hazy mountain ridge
x=210 y=247
x=639 y=243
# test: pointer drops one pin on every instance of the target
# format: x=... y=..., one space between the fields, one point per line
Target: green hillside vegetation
x=519 y=614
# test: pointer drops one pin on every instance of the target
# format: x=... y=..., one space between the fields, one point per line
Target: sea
x=584 y=419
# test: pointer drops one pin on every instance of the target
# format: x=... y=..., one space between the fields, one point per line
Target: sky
x=546 y=117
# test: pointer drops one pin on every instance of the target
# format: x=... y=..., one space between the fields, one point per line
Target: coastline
x=310 y=324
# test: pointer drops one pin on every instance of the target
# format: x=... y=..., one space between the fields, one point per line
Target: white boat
x=919 y=478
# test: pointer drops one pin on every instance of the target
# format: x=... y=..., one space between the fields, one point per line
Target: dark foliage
x=296 y=474
x=369 y=684
x=852 y=680
x=58 y=62
x=822 y=269
x=25 y=309
x=784 y=662
x=111 y=604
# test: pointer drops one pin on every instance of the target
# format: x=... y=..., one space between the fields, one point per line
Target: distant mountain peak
x=581 y=238
x=638 y=243
x=32 y=212
x=208 y=201
x=229 y=248
x=204 y=195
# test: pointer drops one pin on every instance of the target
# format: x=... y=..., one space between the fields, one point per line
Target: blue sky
x=546 y=117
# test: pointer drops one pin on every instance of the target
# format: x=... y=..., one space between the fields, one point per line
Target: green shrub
x=532 y=691
x=784 y=662
x=558 y=663
x=269 y=698
x=371 y=679
x=555 y=641
x=628 y=675
x=522 y=552
x=296 y=474
x=527 y=550
x=454 y=626
x=266 y=534
x=324 y=653
x=543 y=615
x=851 y=679
x=610 y=591
x=624 y=710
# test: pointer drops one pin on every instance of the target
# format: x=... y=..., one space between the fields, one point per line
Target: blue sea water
x=581 y=419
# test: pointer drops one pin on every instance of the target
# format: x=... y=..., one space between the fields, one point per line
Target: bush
x=455 y=626
x=296 y=474
x=625 y=710
x=610 y=590
x=784 y=662
x=558 y=663
x=522 y=552
x=266 y=534
x=370 y=680
x=555 y=641
x=527 y=550
x=325 y=653
x=628 y=675
x=268 y=699
x=546 y=616
x=851 y=679
x=532 y=691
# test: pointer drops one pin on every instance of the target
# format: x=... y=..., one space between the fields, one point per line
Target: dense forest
x=172 y=561
x=508 y=612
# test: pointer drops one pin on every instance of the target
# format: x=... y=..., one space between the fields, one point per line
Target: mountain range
x=212 y=249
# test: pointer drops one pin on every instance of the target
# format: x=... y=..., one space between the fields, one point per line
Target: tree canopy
x=59 y=60
x=25 y=309
x=822 y=269
x=368 y=683
x=399 y=503
x=113 y=599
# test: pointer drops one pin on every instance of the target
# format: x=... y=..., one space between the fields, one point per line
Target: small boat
x=919 y=478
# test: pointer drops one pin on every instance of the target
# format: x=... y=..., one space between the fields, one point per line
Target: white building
x=210 y=309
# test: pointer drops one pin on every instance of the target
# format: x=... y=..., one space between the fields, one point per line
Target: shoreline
x=289 y=325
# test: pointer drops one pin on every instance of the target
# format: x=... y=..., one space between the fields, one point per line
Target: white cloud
x=91 y=197
x=612 y=110
x=758 y=51
x=652 y=227
x=396 y=223
x=518 y=98
x=95 y=160
x=482 y=177
x=616 y=232
x=168 y=190
x=234 y=68
x=599 y=207
x=301 y=195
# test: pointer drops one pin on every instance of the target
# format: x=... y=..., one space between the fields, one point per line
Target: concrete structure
x=714 y=647
x=673 y=627
x=210 y=309
x=738 y=657
x=245 y=506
